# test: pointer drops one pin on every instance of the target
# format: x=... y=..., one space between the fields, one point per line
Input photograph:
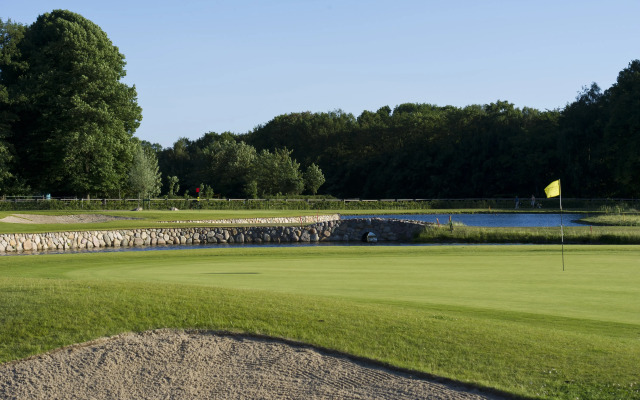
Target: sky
x=215 y=66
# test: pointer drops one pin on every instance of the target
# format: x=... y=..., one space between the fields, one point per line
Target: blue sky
x=202 y=66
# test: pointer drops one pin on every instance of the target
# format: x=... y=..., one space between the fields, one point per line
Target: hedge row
x=611 y=205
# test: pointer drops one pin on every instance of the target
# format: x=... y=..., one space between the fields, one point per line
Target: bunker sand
x=59 y=219
x=171 y=364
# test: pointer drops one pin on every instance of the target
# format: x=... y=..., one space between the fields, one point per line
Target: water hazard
x=487 y=220
x=494 y=220
x=209 y=246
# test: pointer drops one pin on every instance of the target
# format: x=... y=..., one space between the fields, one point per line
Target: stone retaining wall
x=392 y=230
x=305 y=219
x=334 y=230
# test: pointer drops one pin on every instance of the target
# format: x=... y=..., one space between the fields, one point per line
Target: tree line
x=67 y=126
x=430 y=151
x=223 y=165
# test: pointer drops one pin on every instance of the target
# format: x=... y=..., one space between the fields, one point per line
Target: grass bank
x=143 y=219
x=501 y=317
x=627 y=219
x=165 y=219
x=572 y=235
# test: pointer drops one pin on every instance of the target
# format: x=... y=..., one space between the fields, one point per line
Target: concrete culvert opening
x=369 y=237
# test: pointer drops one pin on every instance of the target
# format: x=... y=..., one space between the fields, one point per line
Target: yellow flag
x=553 y=189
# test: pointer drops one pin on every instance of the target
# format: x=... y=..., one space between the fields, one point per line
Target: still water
x=212 y=246
x=487 y=220
x=496 y=220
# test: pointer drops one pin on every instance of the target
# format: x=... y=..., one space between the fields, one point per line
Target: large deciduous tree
x=10 y=35
x=76 y=118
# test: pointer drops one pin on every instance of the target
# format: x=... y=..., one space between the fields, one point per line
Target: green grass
x=615 y=219
x=574 y=234
x=142 y=219
x=504 y=317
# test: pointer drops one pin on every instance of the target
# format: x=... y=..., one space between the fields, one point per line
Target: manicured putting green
x=597 y=283
x=506 y=317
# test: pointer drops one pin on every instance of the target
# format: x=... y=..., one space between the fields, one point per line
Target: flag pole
x=561 y=224
x=552 y=190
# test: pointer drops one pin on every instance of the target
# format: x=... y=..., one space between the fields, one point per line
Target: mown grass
x=503 y=317
x=142 y=219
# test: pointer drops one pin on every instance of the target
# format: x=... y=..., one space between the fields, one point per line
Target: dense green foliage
x=144 y=175
x=428 y=151
x=10 y=35
x=502 y=317
x=73 y=118
x=67 y=125
x=313 y=179
x=235 y=169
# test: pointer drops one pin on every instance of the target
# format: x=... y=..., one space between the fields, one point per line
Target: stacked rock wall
x=335 y=230
x=392 y=230
x=305 y=219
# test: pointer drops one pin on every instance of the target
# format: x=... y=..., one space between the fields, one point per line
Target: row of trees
x=497 y=149
x=233 y=168
x=427 y=151
x=67 y=126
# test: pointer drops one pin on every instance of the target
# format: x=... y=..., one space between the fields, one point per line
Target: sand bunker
x=58 y=219
x=168 y=364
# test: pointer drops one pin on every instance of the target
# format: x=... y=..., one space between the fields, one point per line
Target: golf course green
x=502 y=317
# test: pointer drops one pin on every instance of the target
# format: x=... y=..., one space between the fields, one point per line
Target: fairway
x=505 y=317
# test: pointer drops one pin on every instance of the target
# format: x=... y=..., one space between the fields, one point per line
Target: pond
x=492 y=220
x=221 y=246
x=485 y=220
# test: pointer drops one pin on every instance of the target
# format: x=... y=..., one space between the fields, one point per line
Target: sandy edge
x=59 y=219
x=169 y=363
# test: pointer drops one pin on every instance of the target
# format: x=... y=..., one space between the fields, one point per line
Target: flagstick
x=552 y=190
x=561 y=225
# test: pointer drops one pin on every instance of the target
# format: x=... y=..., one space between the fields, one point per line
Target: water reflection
x=236 y=246
x=493 y=220
x=487 y=220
